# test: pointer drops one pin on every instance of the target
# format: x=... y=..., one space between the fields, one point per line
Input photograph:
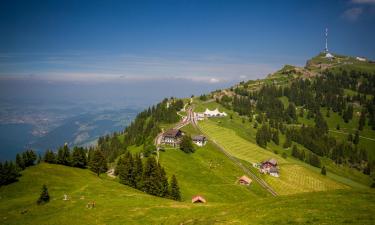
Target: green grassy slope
x=118 y=204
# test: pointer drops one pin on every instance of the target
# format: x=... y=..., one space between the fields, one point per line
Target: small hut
x=244 y=180
x=198 y=199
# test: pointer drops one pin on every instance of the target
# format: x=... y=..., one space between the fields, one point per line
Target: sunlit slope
x=294 y=178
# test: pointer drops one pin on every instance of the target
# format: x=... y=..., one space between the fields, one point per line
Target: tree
x=291 y=112
x=174 y=189
x=49 y=157
x=186 y=144
x=9 y=173
x=348 y=114
x=320 y=124
x=79 y=157
x=19 y=162
x=125 y=170
x=98 y=163
x=151 y=181
x=29 y=157
x=44 y=196
x=63 y=155
x=362 y=120
x=275 y=137
x=164 y=192
x=263 y=135
x=323 y=171
x=356 y=138
x=138 y=170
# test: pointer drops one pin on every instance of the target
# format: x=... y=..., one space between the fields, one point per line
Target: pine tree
x=362 y=120
x=186 y=144
x=79 y=157
x=98 y=163
x=63 y=155
x=49 y=157
x=174 y=189
x=164 y=186
x=151 y=182
x=126 y=171
x=323 y=171
x=138 y=170
x=356 y=138
x=291 y=112
x=44 y=195
x=275 y=137
x=19 y=162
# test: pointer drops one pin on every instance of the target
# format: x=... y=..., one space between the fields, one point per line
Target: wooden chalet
x=270 y=167
x=198 y=199
x=172 y=137
x=244 y=180
x=199 y=140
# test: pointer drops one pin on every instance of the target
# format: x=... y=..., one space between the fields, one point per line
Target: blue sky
x=203 y=41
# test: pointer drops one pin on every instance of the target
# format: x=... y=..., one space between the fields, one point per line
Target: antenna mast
x=326 y=49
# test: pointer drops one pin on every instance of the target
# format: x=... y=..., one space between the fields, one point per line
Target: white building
x=199 y=140
x=361 y=59
x=214 y=113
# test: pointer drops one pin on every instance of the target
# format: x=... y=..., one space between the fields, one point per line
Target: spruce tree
x=362 y=120
x=138 y=170
x=98 y=163
x=79 y=157
x=44 y=195
x=356 y=138
x=186 y=144
x=174 y=189
x=19 y=162
x=125 y=170
x=151 y=182
x=323 y=171
x=164 y=192
x=63 y=155
x=49 y=157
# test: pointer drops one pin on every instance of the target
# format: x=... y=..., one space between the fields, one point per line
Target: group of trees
x=10 y=171
x=149 y=177
x=186 y=144
x=308 y=157
x=79 y=157
x=265 y=134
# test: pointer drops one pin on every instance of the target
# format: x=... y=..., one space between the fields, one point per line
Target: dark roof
x=199 y=138
x=271 y=161
x=274 y=170
x=172 y=133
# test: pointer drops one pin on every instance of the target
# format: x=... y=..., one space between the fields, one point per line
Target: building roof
x=273 y=170
x=271 y=161
x=214 y=112
x=199 y=138
x=198 y=198
x=172 y=133
x=245 y=179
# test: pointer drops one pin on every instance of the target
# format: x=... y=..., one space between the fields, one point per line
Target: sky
x=200 y=41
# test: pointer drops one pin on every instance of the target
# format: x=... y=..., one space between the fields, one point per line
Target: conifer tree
x=174 y=189
x=19 y=162
x=323 y=171
x=79 y=157
x=356 y=138
x=151 y=182
x=362 y=120
x=126 y=170
x=98 y=163
x=138 y=170
x=63 y=155
x=49 y=156
x=186 y=144
x=164 y=186
x=44 y=195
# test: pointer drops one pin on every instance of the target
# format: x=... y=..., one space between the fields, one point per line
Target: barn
x=244 y=180
x=198 y=199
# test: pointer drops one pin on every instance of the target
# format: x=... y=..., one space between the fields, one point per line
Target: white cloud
x=352 y=14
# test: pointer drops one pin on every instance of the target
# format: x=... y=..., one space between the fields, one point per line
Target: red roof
x=245 y=179
x=198 y=198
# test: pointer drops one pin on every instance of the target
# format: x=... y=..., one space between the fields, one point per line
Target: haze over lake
x=43 y=114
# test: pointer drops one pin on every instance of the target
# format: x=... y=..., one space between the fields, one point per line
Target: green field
x=118 y=204
x=294 y=178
